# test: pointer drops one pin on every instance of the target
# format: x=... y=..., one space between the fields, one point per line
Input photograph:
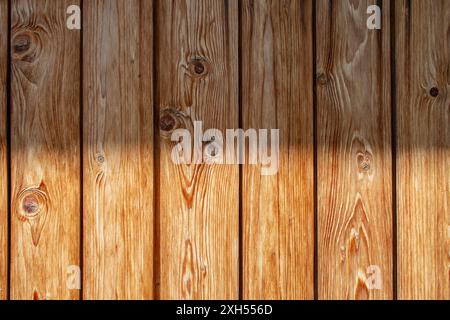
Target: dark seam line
x=8 y=145
x=315 y=179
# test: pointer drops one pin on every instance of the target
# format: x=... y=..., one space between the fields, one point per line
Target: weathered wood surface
x=197 y=80
x=45 y=150
x=93 y=184
x=118 y=203
x=277 y=93
x=354 y=167
x=423 y=157
x=3 y=150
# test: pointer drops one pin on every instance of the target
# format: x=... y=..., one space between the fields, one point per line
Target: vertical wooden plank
x=3 y=151
x=423 y=158
x=277 y=93
x=199 y=203
x=354 y=152
x=45 y=150
x=118 y=149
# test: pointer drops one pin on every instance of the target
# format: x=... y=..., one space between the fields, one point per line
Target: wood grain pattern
x=45 y=150
x=88 y=188
x=423 y=157
x=118 y=149
x=3 y=151
x=199 y=203
x=277 y=93
x=354 y=151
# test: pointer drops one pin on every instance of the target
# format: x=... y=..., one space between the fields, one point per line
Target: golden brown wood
x=354 y=152
x=277 y=91
x=3 y=151
x=118 y=149
x=198 y=210
x=423 y=157
x=45 y=150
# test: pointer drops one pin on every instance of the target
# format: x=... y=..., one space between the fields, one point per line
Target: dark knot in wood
x=322 y=79
x=198 y=67
x=25 y=46
x=364 y=162
x=167 y=122
x=22 y=43
x=171 y=119
x=213 y=152
x=100 y=158
x=434 y=92
x=30 y=205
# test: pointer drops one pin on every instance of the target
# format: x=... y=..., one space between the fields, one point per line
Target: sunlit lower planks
x=45 y=150
x=118 y=201
x=197 y=72
x=423 y=156
x=3 y=150
x=277 y=93
x=354 y=171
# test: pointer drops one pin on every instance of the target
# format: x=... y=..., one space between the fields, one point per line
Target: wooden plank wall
x=354 y=151
x=45 y=150
x=359 y=207
x=197 y=80
x=423 y=157
x=277 y=93
x=3 y=150
x=117 y=150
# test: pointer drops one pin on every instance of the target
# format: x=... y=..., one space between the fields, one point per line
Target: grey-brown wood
x=118 y=201
x=277 y=93
x=3 y=150
x=197 y=80
x=423 y=156
x=354 y=167
x=45 y=150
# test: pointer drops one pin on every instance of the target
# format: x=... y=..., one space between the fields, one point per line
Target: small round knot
x=30 y=205
x=434 y=92
x=198 y=67
x=171 y=119
x=32 y=202
x=26 y=46
x=167 y=122
x=22 y=43
x=212 y=150
x=364 y=162
x=100 y=158
x=322 y=79
x=365 y=166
